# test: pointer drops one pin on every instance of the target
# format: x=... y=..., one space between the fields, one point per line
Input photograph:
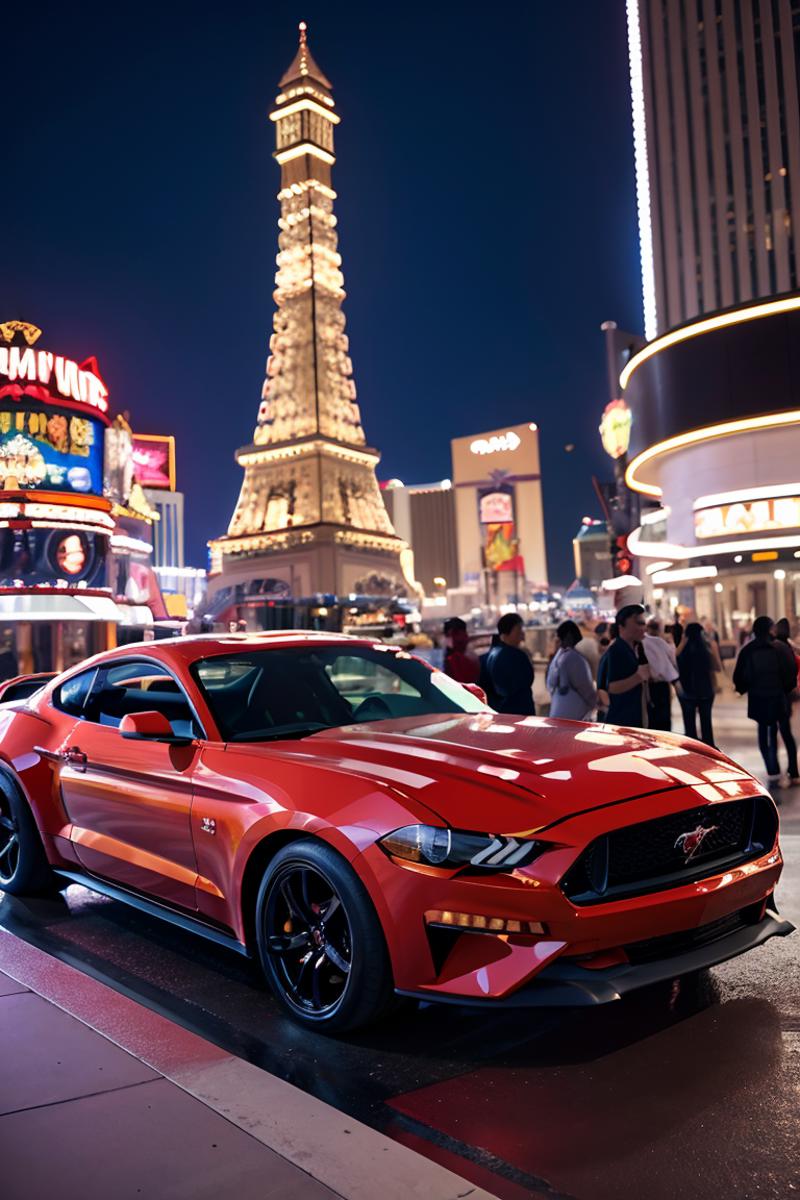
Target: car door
x=129 y=801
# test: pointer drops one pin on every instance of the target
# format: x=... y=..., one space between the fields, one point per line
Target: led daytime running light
x=481 y=924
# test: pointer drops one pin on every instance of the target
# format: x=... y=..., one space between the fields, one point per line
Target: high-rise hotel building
x=716 y=114
x=715 y=434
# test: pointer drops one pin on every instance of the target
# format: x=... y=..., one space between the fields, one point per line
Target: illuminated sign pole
x=620 y=505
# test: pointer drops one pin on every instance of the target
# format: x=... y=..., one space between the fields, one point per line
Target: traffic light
x=621 y=558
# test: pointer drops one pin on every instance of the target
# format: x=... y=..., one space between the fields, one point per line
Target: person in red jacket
x=460 y=663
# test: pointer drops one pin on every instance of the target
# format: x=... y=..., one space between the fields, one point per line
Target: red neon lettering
x=22 y=364
x=67 y=377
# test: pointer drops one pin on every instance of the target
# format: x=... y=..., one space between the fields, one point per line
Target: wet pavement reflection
x=689 y=1089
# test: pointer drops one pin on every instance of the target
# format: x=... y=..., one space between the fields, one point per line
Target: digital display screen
x=154 y=461
x=50 y=449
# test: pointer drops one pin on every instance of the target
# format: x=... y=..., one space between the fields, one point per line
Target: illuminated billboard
x=42 y=446
x=752 y=516
x=500 y=538
x=154 y=461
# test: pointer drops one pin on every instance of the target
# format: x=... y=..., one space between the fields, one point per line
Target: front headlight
x=442 y=847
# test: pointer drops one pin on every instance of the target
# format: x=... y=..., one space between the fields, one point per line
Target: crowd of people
x=626 y=672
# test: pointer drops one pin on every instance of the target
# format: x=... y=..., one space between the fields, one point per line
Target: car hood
x=538 y=770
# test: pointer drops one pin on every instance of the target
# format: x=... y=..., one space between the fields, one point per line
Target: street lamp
x=779 y=575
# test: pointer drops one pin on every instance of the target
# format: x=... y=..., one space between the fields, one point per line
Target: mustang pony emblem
x=689 y=843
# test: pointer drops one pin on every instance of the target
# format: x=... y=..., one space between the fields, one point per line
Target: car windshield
x=258 y=695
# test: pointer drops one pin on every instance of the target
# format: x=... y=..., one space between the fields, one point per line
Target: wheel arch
x=259 y=859
x=10 y=781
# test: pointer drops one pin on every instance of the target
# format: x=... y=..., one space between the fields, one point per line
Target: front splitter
x=567 y=984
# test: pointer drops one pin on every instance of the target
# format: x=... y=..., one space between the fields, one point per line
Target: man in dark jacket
x=509 y=670
x=625 y=670
x=767 y=674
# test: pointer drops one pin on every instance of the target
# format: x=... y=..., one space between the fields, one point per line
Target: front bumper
x=566 y=983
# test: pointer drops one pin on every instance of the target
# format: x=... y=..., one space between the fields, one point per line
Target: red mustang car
x=367 y=826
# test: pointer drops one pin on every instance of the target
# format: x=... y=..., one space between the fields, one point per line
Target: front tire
x=24 y=869
x=319 y=940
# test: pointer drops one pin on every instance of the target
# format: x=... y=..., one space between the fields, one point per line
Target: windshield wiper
x=280 y=732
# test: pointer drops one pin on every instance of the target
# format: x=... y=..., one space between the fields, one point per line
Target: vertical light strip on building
x=642 y=170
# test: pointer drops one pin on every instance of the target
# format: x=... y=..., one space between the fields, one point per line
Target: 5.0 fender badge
x=689 y=843
x=208 y=825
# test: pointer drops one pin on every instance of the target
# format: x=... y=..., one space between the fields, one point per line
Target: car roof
x=190 y=648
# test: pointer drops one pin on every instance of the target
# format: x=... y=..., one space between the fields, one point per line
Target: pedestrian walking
x=696 y=671
x=508 y=670
x=767 y=675
x=569 y=677
x=460 y=663
x=627 y=671
x=660 y=656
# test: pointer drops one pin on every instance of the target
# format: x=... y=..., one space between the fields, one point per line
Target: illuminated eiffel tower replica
x=310 y=516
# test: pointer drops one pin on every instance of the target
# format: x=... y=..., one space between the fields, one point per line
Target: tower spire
x=303 y=65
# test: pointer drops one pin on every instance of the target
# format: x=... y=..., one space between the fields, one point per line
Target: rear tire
x=24 y=869
x=319 y=940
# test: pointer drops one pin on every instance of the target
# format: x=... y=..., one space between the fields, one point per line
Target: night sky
x=486 y=208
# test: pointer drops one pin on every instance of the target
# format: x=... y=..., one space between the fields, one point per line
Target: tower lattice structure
x=309 y=485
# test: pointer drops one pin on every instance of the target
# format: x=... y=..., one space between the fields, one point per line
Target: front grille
x=649 y=856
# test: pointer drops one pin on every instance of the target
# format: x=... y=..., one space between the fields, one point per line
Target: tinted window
x=71 y=696
x=134 y=687
x=21 y=691
x=256 y=695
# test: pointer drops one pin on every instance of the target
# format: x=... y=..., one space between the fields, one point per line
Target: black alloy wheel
x=320 y=943
x=9 y=842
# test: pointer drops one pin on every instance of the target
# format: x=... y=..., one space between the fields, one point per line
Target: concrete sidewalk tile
x=49 y=1056
x=142 y=1143
x=357 y=1161
x=9 y=986
x=348 y=1156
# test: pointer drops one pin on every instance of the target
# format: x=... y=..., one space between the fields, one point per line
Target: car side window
x=72 y=695
x=134 y=687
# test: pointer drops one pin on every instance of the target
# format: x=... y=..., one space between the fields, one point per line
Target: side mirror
x=151 y=727
x=476 y=691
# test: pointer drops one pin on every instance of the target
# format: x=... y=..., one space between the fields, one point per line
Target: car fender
x=248 y=804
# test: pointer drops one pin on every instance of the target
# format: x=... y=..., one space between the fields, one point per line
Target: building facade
x=717 y=142
x=424 y=515
x=75 y=533
x=715 y=431
x=310 y=517
x=591 y=548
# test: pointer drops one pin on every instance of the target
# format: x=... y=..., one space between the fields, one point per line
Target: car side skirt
x=153 y=909
x=566 y=983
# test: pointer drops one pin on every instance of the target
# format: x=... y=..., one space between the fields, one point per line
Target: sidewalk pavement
x=101 y=1097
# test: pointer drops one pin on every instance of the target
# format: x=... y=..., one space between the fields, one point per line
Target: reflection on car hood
x=545 y=769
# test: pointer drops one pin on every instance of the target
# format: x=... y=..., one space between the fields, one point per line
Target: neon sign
x=755 y=516
x=615 y=428
x=496 y=443
x=79 y=383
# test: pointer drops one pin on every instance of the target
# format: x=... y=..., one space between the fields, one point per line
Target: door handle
x=74 y=756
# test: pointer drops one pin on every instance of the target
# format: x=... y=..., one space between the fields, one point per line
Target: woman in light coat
x=569 y=678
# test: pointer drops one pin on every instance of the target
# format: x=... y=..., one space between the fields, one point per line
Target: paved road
x=687 y=1090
